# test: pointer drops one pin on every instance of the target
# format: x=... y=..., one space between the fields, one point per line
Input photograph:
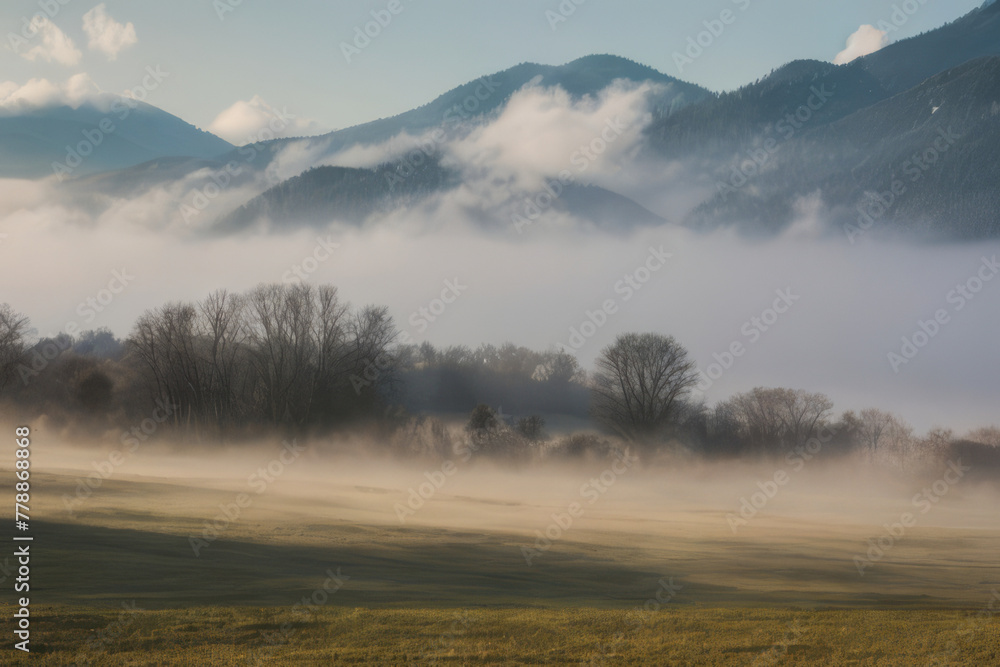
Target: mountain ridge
x=808 y=129
x=109 y=133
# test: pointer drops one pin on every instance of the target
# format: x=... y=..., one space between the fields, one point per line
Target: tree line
x=297 y=359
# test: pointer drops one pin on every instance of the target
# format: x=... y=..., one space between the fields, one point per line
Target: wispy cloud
x=55 y=45
x=106 y=34
x=540 y=130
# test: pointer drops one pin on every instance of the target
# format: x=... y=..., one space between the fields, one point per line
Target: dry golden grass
x=674 y=635
x=451 y=585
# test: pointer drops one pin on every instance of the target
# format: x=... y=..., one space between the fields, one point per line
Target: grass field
x=319 y=570
x=683 y=635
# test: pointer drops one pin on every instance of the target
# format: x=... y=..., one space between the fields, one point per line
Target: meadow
x=319 y=569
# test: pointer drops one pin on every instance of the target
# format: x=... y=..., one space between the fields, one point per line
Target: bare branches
x=639 y=383
x=775 y=420
x=13 y=334
x=279 y=354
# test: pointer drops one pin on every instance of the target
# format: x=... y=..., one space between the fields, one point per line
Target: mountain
x=469 y=103
x=731 y=122
x=935 y=145
x=326 y=194
x=353 y=195
x=840 y=135
x=103 y=134
x=476 y=99
x=830 y=139
x=904 y=64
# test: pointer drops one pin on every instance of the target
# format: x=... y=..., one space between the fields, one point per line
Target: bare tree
x=900 y=440
x=873 y=427
x=222 y=327
x=279 y=354
x=280 y=327
x=163 y=344
x=937 y=442
x=332 y=364
x=775 y=419
x=13 y=333
x=803 y=412
x=989 y=435
x=372 y=333
x=639 y=383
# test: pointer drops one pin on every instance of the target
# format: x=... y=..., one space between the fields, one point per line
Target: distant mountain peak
x=93 y=133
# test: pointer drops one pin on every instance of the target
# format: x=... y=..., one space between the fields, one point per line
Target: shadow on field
x=94 y=565
x=386 y=567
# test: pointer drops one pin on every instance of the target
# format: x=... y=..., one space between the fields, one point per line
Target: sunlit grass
x=675 y=635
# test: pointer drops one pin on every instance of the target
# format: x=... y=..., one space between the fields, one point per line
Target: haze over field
x=680 y=519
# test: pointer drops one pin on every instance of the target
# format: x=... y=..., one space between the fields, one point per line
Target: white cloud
x=538 y=134
x=543 y=131
x=55 y=46
x=866 y=39
x=256 y=120
x=36 y=93
x=107 y=35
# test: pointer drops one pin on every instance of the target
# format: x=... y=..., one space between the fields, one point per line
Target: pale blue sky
x=288 y=53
